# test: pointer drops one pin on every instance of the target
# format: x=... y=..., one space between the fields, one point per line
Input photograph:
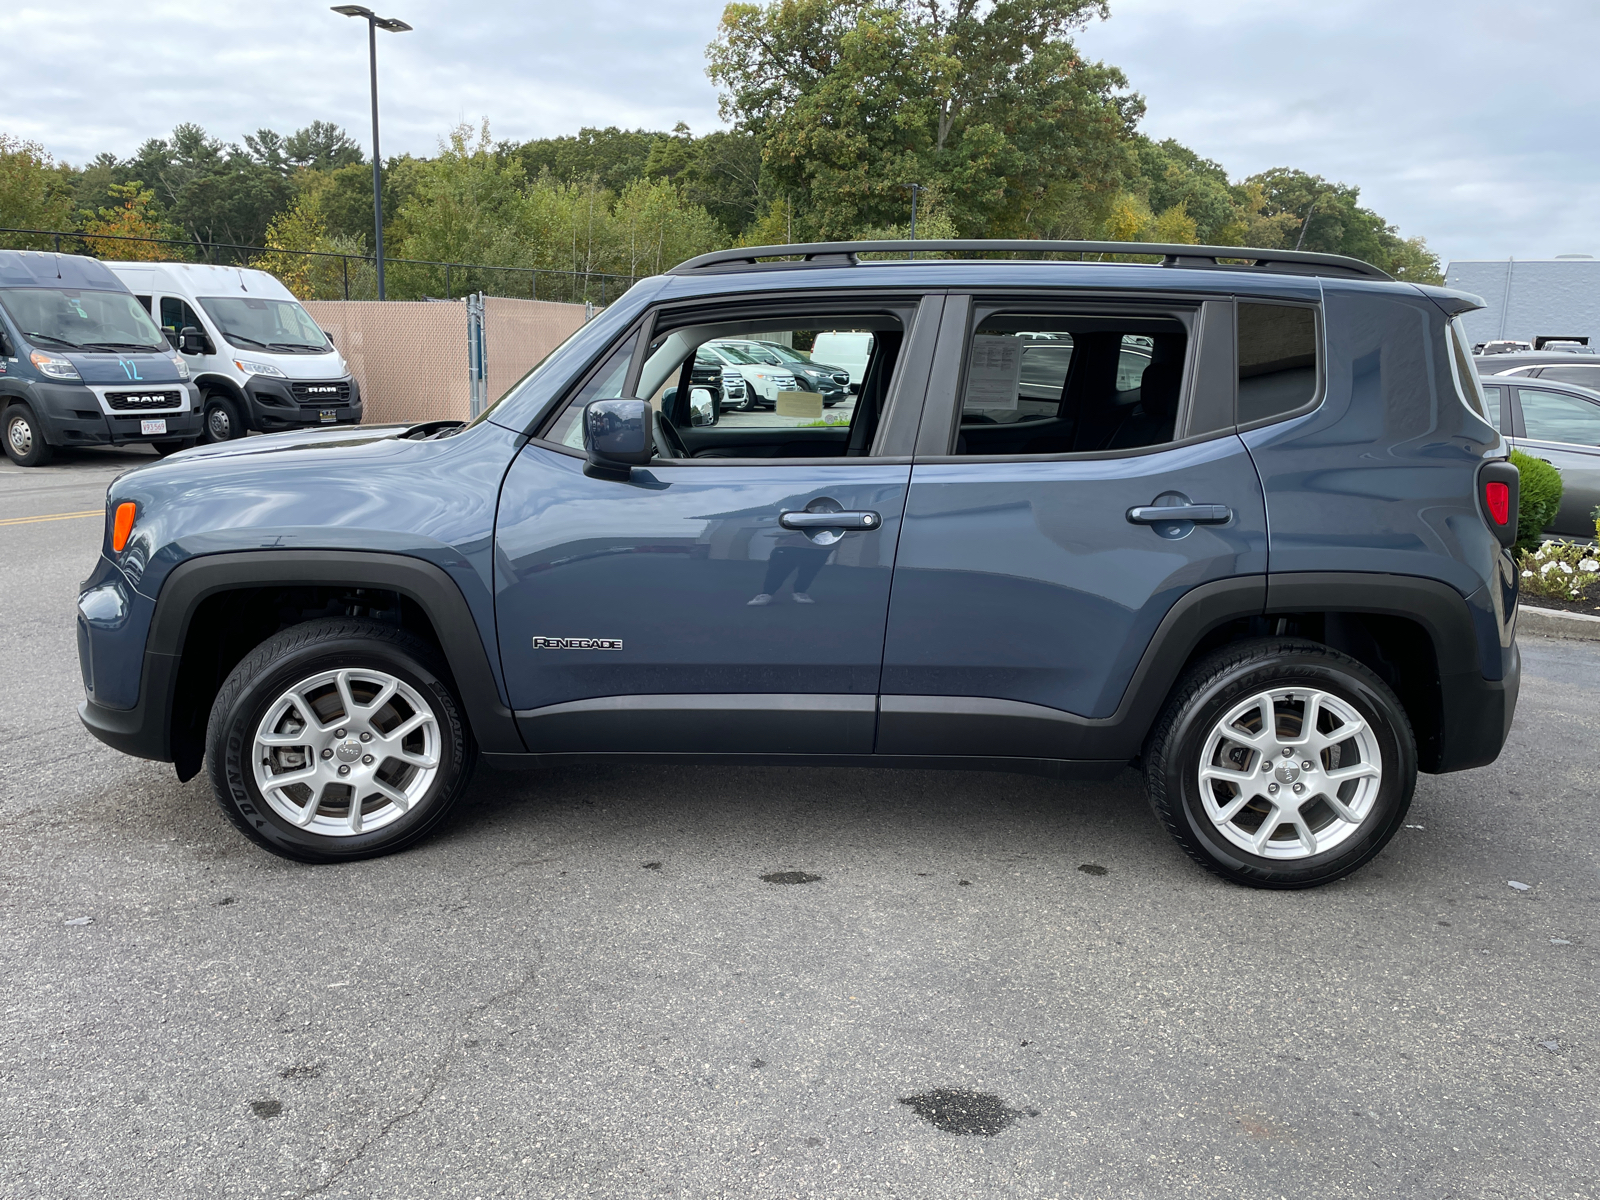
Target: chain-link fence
x=323 y=275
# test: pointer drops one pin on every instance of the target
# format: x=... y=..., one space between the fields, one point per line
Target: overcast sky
x=1468 y=122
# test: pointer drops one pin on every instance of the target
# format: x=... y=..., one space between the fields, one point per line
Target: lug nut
x=1272 y=789
x=1298 y=788
x=1287 y=752
x=340 y=733
x=366 y=737
x=1266 y=765
x=344 y=769
x=327 y=754
x=1306 y=766
x=366 y=760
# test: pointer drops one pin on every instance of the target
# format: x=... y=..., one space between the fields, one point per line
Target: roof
x=847 y=254
x=45 y=268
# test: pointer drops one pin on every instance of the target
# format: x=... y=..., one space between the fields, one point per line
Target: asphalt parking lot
x=584 y=987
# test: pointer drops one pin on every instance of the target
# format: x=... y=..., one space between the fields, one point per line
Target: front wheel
x=338 y=740
x=222 y=422
x=1281 y=763
x=24 y=437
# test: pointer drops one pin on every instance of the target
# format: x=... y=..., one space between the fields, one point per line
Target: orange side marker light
x=122 y=525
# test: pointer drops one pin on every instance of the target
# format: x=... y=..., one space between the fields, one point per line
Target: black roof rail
x=847 y=254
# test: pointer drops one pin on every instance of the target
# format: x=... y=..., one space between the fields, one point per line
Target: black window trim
x=902 y=407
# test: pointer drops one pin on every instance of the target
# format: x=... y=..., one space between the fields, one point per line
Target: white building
x=1531 y=297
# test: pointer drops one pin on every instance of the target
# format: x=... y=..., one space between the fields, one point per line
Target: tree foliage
x=34 y=194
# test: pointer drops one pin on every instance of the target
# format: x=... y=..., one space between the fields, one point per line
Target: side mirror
x=855 y=389
x=702 y=406
x=191 y=340
x=618 y=436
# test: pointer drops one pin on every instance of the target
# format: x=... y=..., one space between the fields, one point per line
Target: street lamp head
x=388 y=24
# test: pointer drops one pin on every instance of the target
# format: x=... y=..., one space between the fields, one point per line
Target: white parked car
x=763 y=381
x=256 y=355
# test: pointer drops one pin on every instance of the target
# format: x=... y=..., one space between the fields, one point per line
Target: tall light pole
x=915 y=188
x=390 y=25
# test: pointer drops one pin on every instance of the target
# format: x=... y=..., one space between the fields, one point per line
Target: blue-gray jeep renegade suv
x=1234 y=517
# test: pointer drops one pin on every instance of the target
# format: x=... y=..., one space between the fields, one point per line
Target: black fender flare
x=146 y=729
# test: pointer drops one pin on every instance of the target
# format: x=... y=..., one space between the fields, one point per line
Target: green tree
x=990 y=104
x=34 y=193
x=132 y=214
x=215 y=192
x=611 y=157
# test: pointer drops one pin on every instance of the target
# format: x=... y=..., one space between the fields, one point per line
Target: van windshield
x=74 y=319
x=251 y=323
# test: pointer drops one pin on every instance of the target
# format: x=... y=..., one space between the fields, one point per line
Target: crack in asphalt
x=436 y=1077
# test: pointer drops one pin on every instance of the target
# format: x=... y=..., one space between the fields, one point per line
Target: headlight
x=54 y=366
x=258 y=368
x=183 y=367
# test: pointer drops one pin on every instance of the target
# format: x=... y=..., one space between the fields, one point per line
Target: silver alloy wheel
x=1290 y=773
x=346 y=752
x=20 y=434
x=217 y=423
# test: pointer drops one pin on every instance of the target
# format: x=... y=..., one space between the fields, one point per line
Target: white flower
x=1566 y=568
x=1589 y=564
x=1527 y=574
x=1547 y=568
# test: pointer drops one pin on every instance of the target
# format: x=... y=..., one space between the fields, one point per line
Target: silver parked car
x=1560 y=423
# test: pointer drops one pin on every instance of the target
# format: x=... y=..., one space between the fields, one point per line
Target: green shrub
x=1540 y=497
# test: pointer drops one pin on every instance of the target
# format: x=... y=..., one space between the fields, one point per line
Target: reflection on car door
x=1564 y=430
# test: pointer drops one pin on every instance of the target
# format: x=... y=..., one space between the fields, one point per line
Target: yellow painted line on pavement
x=89 y=512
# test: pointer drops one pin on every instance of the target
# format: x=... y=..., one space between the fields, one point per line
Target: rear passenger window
x=1052 y=384
x=1277 y=359
x=1583 y=376
x=1491 y=397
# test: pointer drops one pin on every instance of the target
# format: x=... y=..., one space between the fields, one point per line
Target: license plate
x=329 y=415
x=159 y=425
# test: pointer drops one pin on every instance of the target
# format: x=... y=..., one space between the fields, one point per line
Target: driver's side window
x=775 y=388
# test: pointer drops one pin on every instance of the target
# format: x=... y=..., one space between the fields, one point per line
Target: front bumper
x=72 y=416
x=274 y=404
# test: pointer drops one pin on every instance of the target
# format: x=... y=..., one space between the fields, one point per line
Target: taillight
x=122 y=525
x=1499 y=495
x=1497 y=499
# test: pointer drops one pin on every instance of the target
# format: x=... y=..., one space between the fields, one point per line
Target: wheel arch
x=214 y=609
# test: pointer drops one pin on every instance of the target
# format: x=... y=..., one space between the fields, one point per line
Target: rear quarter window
x=1277 y=360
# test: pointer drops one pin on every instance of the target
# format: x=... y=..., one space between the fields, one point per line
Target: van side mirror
x=618 y=436
x=192 y=341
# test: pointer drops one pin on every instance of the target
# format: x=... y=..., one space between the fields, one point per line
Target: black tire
x=1204 y=697
x=300 y=653
x=221 y=420
x=23 y=435
x=165 y=448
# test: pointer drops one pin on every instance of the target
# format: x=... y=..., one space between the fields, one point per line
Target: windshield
x=788 y=354
x=72 y=319
x=255 y=324
x=734 y=354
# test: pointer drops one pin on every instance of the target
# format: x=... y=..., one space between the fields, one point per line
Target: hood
x=135 y=367
x=295 y=440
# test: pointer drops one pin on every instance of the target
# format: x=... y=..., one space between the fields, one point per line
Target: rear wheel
x=1281 y=764
x=223 y=422
x=24 y=437
x=338 y=740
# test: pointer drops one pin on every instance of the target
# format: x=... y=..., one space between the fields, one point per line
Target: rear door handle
x=1200 y=514
x=830 y=520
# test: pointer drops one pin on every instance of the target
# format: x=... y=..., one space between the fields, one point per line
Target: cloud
x=1469 y=123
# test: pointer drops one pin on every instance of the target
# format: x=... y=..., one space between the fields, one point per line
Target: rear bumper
x=1476 y=716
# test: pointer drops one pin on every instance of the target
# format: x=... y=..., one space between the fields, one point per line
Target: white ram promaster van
x=257 y=357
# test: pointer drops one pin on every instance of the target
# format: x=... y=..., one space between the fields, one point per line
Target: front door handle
x=830 y=520
x=1200 y=514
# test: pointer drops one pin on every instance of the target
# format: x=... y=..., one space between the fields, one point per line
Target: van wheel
x=222 y=420
x=336 y=740
x=24 y=437
x=1281 y=763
